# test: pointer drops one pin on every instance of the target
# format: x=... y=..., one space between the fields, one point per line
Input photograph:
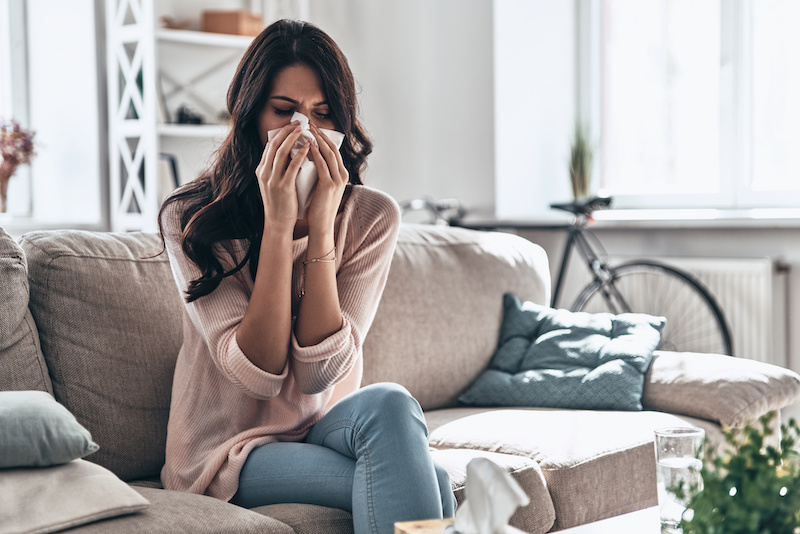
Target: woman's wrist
x=276 y=236
x=320 y=248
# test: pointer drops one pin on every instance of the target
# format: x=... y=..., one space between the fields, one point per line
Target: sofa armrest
x=727 y=390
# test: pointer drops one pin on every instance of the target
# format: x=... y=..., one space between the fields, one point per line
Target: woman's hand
x=277 y=173
x=332 y=177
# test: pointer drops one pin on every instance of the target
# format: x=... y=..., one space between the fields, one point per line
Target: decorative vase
x=7 y=169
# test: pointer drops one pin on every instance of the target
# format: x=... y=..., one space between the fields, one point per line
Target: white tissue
x=307 y=176
x=492 y=496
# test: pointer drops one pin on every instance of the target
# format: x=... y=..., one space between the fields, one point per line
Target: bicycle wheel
x=695 y=322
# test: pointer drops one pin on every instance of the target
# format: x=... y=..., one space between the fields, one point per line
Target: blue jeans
x=368 y=455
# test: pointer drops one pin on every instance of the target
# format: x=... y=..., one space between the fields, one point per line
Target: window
x=697 y=104
x=776 y=88
x=61 y=101
x=13 y=94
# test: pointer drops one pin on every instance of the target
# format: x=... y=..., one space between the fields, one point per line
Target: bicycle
x=695 y=322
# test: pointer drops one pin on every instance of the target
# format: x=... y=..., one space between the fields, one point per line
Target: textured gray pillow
x=36 y=431
x=562 y=359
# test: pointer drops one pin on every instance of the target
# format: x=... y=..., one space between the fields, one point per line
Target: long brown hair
x=224 y=203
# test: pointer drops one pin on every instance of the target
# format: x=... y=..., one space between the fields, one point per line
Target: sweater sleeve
x=216 y=316
x=370 y=242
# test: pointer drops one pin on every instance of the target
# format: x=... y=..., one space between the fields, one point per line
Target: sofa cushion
x=49 y=499
x=436 y=326
x=731 y=391
x=37 y=431
x=110 y=319
x=175 y=512
x=597 y=464
x=564 y=359
x=535 y=518
x=309 y=518
x=22 y=365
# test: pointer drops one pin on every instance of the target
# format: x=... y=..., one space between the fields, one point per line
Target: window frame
x=736 y=135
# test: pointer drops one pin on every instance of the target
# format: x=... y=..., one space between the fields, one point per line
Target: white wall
x=535 y=104
x=425 y=73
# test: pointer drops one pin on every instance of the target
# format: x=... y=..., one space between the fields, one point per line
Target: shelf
x=210 y=131
x=203 y=38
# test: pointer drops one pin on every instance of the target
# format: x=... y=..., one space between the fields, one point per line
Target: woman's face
x=295 y=88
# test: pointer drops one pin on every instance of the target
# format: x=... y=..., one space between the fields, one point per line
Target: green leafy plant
x=753 y=488
x=580 y=163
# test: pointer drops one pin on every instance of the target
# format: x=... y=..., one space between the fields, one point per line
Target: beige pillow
x=731 y=391
x=49 y=499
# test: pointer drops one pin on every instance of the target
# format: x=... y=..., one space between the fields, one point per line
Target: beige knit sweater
x=222 y=405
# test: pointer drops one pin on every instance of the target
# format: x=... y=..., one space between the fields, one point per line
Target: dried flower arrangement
x=16 y=148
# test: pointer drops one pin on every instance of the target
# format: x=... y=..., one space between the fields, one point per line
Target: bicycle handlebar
x=585 y=206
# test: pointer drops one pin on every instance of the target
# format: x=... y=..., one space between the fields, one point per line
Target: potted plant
x=580 y=163
x=752 y=487
x=16 y=148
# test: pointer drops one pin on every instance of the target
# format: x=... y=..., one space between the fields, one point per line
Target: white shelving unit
x=136 y=49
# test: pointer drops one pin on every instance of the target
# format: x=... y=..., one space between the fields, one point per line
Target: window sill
x=699 y=218
x=633 y=219
x=16 y=226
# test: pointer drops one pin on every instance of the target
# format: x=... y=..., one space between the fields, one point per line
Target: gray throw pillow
x=562 y=359
x=37 y=431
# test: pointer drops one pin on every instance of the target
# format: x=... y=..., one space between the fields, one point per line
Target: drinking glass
x=678 y=457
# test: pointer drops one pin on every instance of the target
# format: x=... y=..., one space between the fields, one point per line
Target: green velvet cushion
x=563 y=359
x=36 y=431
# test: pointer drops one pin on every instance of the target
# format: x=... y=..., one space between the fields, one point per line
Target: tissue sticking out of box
x=307 y=176
x=492 y=497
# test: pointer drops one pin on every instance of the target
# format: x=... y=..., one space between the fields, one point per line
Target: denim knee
x=393 y=404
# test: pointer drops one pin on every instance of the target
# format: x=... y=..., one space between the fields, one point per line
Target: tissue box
x=236 y=22
x=431 y=526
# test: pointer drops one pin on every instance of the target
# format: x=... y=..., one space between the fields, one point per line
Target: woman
x=266 y=405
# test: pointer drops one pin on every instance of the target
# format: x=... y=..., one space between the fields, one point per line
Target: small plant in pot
x=580 y=163
x=753 y=488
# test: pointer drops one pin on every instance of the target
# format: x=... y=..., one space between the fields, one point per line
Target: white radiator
x=751 y=293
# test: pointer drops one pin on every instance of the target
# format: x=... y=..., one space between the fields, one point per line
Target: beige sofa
x=95 y=319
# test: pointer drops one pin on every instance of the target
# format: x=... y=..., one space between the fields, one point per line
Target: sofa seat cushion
x=309 y=518
x=174 y=512
x=110 y=323
x=597 y=464
x=22 y=365
x=535 y=518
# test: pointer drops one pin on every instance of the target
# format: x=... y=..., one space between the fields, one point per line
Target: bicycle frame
x=594 y=255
